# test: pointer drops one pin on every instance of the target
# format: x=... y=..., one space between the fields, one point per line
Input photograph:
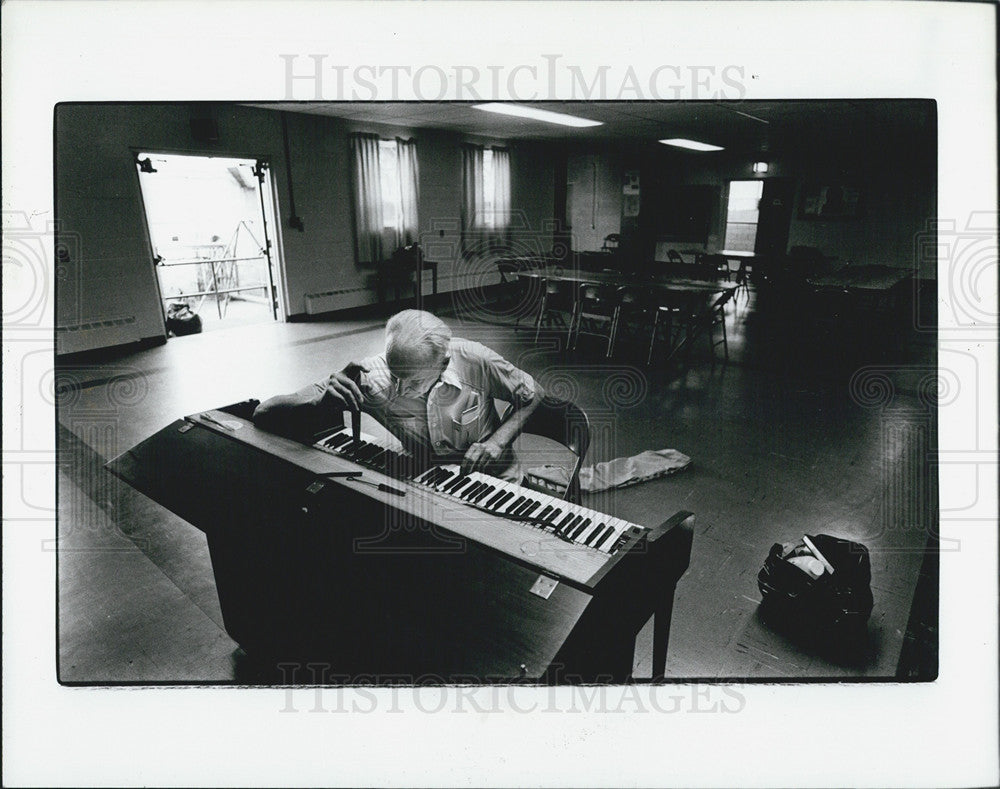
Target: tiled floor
x=784 y=441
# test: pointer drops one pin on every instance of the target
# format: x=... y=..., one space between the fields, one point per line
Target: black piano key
x=368 y=451
x=435 y=476
x=447 y=475
x=522 y=507
x=556 y=512
x=588 y=537
x=363 y=453
x=459 y=485
x=486 y=492
x=517 y=503
x=532 y=507
x=467 y=489
x=571 y=527
x=544 y=514
x=471 y=490
x=492 y=500
x=567 y=519
x=517 y=508
x=422 y=478
x=443 y=474
x=455 y=483
x=359 y=449
x=378 y=459
x=581 y=528
x=605 y=537
x=338 y=440
x=502 y=501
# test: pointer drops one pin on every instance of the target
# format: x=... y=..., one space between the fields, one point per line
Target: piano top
x=569 y=561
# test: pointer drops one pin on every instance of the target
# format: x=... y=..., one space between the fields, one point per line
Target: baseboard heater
x=101 y=333
x=332 y=300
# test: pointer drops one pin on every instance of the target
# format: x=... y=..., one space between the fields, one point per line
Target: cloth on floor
x=617 y=473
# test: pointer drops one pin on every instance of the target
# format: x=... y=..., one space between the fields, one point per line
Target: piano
x=352 y=554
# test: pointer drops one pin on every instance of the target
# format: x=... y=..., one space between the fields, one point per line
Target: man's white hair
x=416 y=336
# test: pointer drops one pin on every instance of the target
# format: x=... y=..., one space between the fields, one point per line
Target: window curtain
x=472 y=194
x=501 y=193
x=409 y=190
x=367 y=199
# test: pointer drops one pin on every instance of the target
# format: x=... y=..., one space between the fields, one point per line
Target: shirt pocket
x=471 y=423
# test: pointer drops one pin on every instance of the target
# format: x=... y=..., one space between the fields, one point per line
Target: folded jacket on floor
x=617 y=473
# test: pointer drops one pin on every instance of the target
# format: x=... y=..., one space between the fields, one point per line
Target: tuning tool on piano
x=355 y=425
x=380 y=485
x=355 y=375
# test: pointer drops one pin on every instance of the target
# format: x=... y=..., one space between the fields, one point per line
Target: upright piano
x=343 y=552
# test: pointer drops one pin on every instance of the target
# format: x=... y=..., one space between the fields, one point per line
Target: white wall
x=111 y=277
x=593 y=198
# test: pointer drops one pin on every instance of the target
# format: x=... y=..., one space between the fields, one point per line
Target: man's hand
x=481 y=455
x=345 y=385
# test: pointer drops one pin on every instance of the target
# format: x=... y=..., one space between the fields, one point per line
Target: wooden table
x=865 y=278
x=872 y=287
x=659 y=283
x=400 y=276
x=696 y=298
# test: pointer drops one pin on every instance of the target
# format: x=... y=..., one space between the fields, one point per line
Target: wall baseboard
x=98 y=355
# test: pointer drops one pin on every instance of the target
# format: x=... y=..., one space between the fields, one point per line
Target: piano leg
x=675 y=541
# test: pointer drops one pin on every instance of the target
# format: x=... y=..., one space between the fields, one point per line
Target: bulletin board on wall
x=830 y=201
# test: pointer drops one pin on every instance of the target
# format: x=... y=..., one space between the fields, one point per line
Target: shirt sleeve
x=503 y=380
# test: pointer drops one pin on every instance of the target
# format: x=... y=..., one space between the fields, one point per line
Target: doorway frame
x=271 y=216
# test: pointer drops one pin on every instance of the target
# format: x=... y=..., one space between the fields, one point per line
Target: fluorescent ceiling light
x=519 y=111
x=691 y=145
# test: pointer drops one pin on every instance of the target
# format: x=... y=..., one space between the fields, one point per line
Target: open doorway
x=742 y=215
x=209 y=220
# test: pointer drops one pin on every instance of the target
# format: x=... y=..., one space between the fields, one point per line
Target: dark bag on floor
x=834 y=604
x=181 y=320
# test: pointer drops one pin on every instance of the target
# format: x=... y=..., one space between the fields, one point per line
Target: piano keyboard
x=570 y=522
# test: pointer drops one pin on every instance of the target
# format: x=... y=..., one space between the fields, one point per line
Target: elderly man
x=434 y=392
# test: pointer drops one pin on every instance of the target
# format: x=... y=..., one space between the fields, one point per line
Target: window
x=489 y=181
x=389 y=183
x=385 y=195
x=742 y=215
x=486 y=190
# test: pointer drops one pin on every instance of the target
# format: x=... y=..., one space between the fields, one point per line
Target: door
x=209 y=232
x=775 y=216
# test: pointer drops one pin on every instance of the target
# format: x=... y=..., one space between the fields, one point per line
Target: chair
x=611 y=242
x=596 y=305
x=743 y=280
x=557 y=298
x=401 y=271
x=566 y=423
x=713 y=267
x=670 y=316
x=630 y=301
x=513 y=288
x=710 y=319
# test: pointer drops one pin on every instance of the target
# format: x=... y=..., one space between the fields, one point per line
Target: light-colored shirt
x=458 y=410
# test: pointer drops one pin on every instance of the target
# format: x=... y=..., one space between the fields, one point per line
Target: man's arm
x=313 y=408
x=484 y=453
